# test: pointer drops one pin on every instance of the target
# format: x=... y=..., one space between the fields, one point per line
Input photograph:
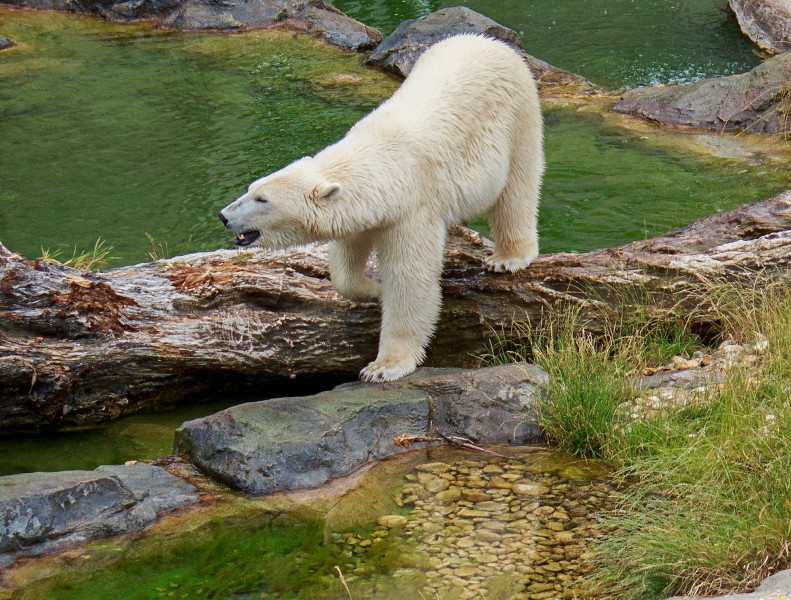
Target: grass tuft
x=92 y=260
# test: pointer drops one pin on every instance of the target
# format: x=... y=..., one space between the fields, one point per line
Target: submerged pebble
x=530 y=537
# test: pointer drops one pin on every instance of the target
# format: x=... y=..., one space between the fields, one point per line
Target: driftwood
x=78 y=348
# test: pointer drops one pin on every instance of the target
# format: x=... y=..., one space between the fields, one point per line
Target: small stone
x=450 y=495
x=435 y=467
x=493 y=469
x=530 y=489
x=486 y=558
x=465 y=571
x=501 y=483
x=490 y=506
x=471 y=514
x=391 y=521
x=474 y=495
x=366 y=543
x=430 y=527
x=465 y=542
x=486 y=535
x=432 y=483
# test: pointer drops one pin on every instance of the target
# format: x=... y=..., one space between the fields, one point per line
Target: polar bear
x=462 y=136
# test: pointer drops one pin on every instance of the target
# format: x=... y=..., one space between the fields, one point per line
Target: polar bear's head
x=283 y=209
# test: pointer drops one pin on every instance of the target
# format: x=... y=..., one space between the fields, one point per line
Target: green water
x=119 y=132
x=139 y=437
x=611 y=42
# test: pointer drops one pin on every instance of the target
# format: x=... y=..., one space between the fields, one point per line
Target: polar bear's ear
x=327 y=191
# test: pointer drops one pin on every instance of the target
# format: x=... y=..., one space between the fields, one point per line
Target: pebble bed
x=495 y=528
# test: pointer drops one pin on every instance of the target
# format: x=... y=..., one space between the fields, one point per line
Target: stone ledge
x=293 y=443
x=41 y=512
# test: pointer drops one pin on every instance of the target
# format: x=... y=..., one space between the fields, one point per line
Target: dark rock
x=399 y=51
x=493 y=406
x=765 y=22
x=5 y=43
x=313 y=16
x=40 y=512
x=292 y=443
x=758 y=101
x=777 y=586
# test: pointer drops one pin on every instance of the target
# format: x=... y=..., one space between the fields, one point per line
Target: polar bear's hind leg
x=514 y=217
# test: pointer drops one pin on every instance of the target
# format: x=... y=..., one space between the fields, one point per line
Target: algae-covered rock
x=312 y=16
x=399 y=51
x=294 y=443
x=759 y=100
x=765 y=22
x=40 y=512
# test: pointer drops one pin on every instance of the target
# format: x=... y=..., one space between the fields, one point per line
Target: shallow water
x=138 y=437
x=454 y=525
x=120 y=132
x=611 y=42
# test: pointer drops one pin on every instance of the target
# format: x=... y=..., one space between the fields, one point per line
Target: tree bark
x=79 y=348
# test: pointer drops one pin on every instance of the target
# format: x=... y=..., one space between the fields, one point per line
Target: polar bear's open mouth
x=247 y=238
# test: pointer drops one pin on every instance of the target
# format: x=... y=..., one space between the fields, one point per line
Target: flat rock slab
x=313 y=16
x=758 y=100
x=41 y=512
x=773 y=588
x=293 y=443
x=765 y=22
x=399 y=51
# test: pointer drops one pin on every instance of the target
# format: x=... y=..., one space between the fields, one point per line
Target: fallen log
x=78 y=348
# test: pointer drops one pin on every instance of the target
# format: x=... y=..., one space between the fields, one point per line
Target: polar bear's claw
x=379 y=373
x=500 y=265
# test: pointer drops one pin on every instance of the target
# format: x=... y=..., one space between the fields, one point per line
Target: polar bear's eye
x=261 y=199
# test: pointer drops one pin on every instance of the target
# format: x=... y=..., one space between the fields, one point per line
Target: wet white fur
x=462 y=136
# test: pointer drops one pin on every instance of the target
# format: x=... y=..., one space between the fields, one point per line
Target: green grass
x=707 y=505
x=94 y=259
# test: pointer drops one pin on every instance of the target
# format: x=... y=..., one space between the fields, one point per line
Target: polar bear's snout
x=243 y=238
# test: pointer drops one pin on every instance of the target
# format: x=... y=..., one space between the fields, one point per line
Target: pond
x=438 y=523
x=139 y=137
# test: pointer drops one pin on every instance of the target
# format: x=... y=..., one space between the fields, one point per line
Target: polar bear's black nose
x=223 y=219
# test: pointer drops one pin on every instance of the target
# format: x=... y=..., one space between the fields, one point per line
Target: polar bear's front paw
x=381 y=371
x=510 y=264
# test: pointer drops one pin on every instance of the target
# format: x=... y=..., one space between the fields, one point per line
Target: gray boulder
x=313 y=16
x=303 y=442
x=773 y=588
x=759 y=100
x=399 y=51
x=40 y=512
x=765 y=22
x=5 y=43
